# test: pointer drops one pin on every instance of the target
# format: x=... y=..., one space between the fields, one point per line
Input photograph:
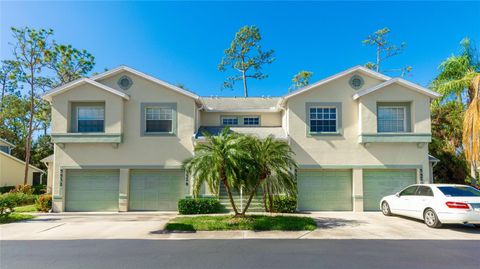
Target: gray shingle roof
x=241 y=104
x=261 y=132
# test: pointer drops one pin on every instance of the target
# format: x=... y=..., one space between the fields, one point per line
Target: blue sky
x=183 y=42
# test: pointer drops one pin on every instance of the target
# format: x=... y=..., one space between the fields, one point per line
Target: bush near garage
x=284 y=204
x=7 y=204
x=5 y=189
x=23 y=188
x=20 y=199
x=39 y=189
x=44 y=203
x=191 y=206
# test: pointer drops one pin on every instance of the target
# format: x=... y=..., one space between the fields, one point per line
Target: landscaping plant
x=189 y=206
x=44 y=203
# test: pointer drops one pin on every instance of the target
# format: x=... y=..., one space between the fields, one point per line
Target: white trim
x=48 y=95
x=400 y=81
x=121 y=68
x=336 y=76
x=22 y=162
x=8 y=143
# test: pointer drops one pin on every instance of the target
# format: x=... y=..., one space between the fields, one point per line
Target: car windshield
x=459 y=191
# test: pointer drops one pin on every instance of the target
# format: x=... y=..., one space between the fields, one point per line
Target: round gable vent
x=356 y=82
x=125 y=82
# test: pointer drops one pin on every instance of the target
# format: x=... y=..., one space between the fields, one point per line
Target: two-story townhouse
x=120 y=138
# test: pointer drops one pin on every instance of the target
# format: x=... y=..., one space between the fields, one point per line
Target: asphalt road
x=224 y=254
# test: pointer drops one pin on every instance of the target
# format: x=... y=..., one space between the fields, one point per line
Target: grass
x=15 y=217
x=254 y=222
x=26 y=208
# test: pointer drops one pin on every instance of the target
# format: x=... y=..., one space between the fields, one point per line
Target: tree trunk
x=230 y=196
x=378 y=59
x=270 y=200
x=265 y=200
x=254 y=192
x=3 y=96
x=30 y=130
x=245 y=90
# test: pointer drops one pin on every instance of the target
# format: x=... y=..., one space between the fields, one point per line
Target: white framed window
x=230 y=121
x=251 y=121
x=323 y=119
x=90 y=119
x=392 y=119
x=158 y=119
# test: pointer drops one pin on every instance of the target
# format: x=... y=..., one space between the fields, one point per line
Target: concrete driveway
x=331 y=225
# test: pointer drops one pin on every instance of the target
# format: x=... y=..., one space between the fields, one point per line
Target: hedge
x=190 y=206
x=5 y=189
x=44 y=203
x=284 y=204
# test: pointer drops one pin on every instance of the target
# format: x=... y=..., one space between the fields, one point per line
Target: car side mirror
x=397 y=194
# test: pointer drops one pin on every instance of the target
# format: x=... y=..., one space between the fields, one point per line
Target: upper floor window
x=323 y=119
x=231 y=121
x=255 y=121
x=90 y=119
x=158 y=119
x=392 y=119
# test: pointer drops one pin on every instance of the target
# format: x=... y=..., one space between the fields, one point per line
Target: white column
x=124 y=186
x=357 y=175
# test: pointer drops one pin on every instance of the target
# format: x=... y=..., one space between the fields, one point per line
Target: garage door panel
x=325 y=190
x=380 y=183
x=156 y=189
x=92 y=190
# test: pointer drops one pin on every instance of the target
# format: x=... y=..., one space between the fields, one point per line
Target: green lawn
x=26 y=208
x=253 y=222
x=15 y=217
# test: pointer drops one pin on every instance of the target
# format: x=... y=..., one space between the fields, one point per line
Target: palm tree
x=218 y=161
x=457 y=73
x=471 y=129
x=272 y=167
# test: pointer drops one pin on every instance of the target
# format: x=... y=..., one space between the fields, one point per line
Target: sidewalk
x=149 y=225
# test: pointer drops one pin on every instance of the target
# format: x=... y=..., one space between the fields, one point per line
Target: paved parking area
x=331 y=225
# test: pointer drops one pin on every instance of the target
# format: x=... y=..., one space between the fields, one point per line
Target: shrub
x=7 y=205
x=5 y=189
x=189 y=206
x=44 y=203
x=26 y=189
x=21 y=198
x=39 y=189
x=284 y=204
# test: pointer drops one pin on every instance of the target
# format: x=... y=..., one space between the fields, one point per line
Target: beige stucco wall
x=269 y=119
x=344 y=150
x=136 y=150
x=62 y=106
x=12 y=171
x=419 y=106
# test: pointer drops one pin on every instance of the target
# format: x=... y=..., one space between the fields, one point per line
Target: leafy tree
x=29 y=52
x=271 y=167
x=471 y=130
x=41 y=148
x=8 y=81
x=457 y=73
x=384 y=50
x=301 y=79
x=218 y=161
x=68 y=63
x=246 y=56
x=446 y=143
x=14 y=127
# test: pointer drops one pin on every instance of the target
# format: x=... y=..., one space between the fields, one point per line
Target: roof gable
x=123 y=68
x=64 y=88
x=349 y=71
x=400 y=81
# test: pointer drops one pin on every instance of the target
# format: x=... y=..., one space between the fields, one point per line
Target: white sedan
x=435 y=204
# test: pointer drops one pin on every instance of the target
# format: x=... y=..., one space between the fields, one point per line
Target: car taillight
x=457 y=205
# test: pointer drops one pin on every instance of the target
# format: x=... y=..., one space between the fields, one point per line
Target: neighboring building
x=120 y=138
x=48 y=161
x=12 y=170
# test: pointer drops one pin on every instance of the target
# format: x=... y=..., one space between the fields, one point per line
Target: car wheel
x=431 y=219
x=386 y=209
